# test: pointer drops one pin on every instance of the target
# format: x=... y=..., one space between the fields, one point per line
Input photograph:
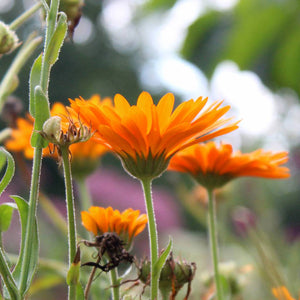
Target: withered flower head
x=62 y=134
x=126 y=224
x=8 y=39
x=174 y=275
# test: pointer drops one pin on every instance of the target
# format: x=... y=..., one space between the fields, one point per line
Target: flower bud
x=8 y=39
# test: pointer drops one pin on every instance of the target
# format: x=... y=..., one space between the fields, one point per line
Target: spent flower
x=126 y=224
x=8 y=39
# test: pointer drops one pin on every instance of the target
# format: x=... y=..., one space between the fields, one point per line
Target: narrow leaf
x=42 y=111
x=23 y=211
x=162 y=259
x=6 y=211
x=10 y=169
x=57 y=39
x=34 y=81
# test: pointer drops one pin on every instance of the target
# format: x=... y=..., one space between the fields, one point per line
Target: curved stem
x=25 y=16
x=21 y=58
x=70 y=212
x=34 y=188
x=146 y=183
x=212 y=224
x=115 y=284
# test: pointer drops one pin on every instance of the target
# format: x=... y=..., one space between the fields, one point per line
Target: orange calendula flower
x=83 y=154
x=126 y=224
x=282 y=293
x=145 y=135
x=214 y=166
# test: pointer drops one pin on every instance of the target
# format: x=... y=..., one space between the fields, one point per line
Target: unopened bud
x=8 y=39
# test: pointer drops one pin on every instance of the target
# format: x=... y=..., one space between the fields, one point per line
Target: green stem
x=146 y=183
x=214 y=241
x=25 y=16
x=85 y=197
x=34 y=188
x=11 y=74
x=51 y=23
x=8 y=278
x=70 y=213
x=115 y=284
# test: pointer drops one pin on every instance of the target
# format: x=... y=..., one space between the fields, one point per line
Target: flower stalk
x=146 y=183
x=70 y=212
x=212 y=224
x=115 y=284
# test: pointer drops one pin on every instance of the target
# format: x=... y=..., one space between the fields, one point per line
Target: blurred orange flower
x=145 y=135
x=214 y=166
x=282 y=293
x=127 y=224
x=20 y=139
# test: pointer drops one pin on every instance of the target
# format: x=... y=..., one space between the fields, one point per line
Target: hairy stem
x=115 y=284
x=212 y=224
x=146 y=183
x=70 y=212
x=34 y=189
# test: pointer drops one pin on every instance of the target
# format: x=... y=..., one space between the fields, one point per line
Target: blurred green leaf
x=225 y=288
x=6 y=211
x=42 y=114
x=46 y=282
x=57 y=39
x=160 y=4
x=10 y=169
x=35 y=75
x=259 y=35
x=23 y=211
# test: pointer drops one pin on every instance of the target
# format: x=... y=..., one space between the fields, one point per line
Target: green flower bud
x=8 y=39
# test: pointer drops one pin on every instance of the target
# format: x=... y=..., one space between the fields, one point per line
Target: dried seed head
x=53 y=132
x=8 y=39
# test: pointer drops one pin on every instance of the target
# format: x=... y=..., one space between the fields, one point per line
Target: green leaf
x=6 y=210
x=10 y=169
x=42 y=111
x=57 y=39
x=35 y=75
x=162 y=259
x=23 y=211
